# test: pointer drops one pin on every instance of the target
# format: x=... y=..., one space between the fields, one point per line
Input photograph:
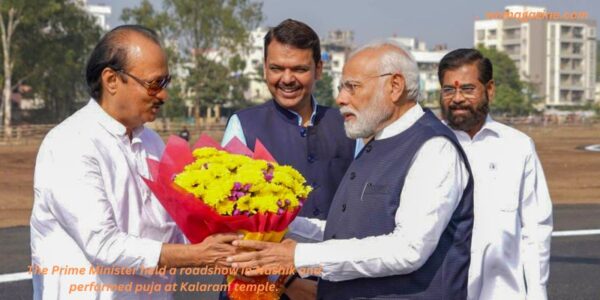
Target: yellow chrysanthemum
x=236 y=184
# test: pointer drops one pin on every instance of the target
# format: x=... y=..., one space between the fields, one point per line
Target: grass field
x=573 y=174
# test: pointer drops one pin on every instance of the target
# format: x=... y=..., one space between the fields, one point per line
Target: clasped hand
x=261 y=258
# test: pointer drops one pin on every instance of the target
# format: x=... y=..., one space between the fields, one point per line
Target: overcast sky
x=435 y=22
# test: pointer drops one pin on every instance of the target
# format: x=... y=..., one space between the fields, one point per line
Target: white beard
x=367 y=120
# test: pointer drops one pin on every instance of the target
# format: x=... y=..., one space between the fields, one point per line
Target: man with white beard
x=400 y=222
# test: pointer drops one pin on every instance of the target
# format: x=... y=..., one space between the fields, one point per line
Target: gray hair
x=397 y=60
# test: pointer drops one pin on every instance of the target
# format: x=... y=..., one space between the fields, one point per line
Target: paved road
x=575 y=261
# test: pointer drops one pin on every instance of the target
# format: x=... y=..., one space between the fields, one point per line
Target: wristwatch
x=291 y=279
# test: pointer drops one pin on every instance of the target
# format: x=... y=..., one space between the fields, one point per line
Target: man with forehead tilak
x=400 y=223
x=513 y=211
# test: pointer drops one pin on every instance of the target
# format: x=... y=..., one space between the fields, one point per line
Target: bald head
x=115 y=50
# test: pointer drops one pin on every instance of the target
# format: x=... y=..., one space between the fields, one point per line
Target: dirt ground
x=573 y=174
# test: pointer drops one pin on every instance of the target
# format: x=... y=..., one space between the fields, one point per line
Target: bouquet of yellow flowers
x=216 y=190
x=235 y=184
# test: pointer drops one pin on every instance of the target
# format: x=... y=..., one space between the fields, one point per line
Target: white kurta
x=513 y=215
x=92 y=208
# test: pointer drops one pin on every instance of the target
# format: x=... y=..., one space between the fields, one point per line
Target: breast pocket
x=503 y=187
x=379 y=197
x=370 y=189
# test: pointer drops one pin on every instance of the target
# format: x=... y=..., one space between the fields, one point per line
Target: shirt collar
x=314 y=104
x=405 y=121
x=111 y=125
x=489 y=127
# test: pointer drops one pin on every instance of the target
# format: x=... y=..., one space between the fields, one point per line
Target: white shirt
x=92 y=208
x=433 y=188
x=513 y=215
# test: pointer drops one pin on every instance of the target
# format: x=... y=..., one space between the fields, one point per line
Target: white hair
x=396 y=60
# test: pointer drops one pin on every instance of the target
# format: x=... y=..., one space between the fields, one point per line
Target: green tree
x=62 y=53
x=324 y=91
x=510 y=101
x=214 y=24
x=8 y=25
x=513 y=97
x=596 y=108
x=159 y=21
x=598 y=61
x=49 y=49
x=145 y=15
x=175 y=107
x=238 y=82
x=203 y=27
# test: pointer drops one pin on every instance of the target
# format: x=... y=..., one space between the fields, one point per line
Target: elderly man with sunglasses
x=400 y=222
x=96 y=229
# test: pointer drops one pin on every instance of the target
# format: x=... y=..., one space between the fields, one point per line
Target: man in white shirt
x=97 y=232
x=513 y=211
x=400 y=223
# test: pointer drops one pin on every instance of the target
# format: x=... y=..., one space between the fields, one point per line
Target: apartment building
x=100 y=12
x=427 y=61
x=556 y=54
x=335 y=49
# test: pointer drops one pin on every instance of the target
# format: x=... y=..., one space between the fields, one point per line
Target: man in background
x=293 y=126
x=513 y=211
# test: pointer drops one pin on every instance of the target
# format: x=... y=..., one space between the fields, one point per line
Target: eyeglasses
x=152 y=87
x=350 y=86
x=468 y=91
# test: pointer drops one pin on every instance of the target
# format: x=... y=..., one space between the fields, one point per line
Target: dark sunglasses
x=152 y=87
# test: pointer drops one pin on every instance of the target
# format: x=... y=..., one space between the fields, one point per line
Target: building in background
x=410 y=43
x=427 y=61
x=335 y=49
x=556 y=55
x=257 y=91
x=100 y=12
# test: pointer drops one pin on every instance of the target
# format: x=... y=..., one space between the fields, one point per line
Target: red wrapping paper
x=196 y=219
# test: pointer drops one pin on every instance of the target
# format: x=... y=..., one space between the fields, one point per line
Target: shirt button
x=316 y=212
x=344 y=207
x=311 y=158
x=368 y=148
x=352 y=176
x=333 y=236
x=303 y=132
